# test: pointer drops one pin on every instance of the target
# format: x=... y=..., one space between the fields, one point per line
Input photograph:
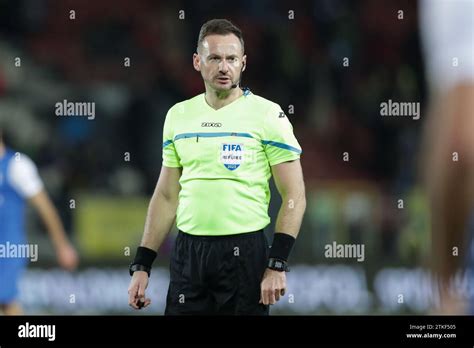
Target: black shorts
x=217 y=275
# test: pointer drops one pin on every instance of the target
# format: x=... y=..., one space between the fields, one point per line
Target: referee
x=220 y=149
x=449 y=129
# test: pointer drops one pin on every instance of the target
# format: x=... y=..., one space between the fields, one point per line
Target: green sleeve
x=279 y=141
x=170 y=156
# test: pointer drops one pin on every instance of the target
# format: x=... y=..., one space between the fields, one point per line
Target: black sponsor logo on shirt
x=211 y=124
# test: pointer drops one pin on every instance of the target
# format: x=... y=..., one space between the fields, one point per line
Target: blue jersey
x=12 y=209
x=12 y=205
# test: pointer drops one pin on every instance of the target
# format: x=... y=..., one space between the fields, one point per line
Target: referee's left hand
x=272 y=286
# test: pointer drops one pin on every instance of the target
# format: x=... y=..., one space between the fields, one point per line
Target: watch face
x=277 y=265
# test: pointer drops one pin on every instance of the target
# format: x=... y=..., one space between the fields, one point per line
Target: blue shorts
x=10 y=272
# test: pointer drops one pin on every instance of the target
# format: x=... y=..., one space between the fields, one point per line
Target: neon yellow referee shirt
x=226 y=156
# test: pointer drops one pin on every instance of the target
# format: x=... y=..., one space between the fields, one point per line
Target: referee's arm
x=288 y=178
x=160 y=218
x=162 y=209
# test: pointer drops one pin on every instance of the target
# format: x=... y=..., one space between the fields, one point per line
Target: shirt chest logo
x=211 y=124
x=232 y=155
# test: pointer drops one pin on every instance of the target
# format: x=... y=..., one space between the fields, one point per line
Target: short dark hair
x=220 y=27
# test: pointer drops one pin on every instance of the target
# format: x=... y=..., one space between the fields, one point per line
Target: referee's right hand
x=136 y=290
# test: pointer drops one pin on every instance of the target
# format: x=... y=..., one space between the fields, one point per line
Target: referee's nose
x=223 y=67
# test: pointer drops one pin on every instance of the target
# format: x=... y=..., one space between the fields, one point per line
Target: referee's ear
x=196 y=62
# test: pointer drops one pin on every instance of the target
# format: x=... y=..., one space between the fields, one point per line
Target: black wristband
x=144 y=257
x=281 y=246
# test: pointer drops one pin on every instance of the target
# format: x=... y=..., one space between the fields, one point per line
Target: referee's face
x=220 y=60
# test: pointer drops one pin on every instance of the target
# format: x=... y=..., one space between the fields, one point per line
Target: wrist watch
x=137 y=267
x=278 y=265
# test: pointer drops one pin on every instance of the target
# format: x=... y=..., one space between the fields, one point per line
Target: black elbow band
x=145 y=257
x=282 y=245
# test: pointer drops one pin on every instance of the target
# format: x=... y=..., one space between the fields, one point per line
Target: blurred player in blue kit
x=19 y=184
